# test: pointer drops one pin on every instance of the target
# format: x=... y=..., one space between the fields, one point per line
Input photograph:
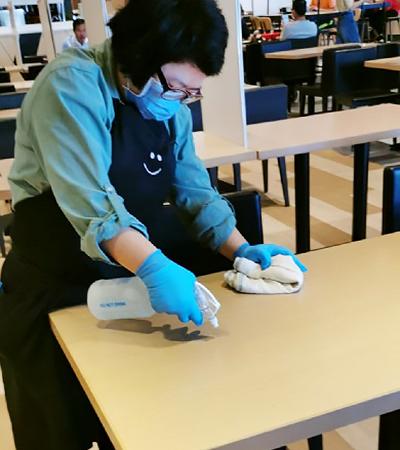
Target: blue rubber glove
x=263 y=253
x=171 y=287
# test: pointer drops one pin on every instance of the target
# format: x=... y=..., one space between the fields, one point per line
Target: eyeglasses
x=184 y=95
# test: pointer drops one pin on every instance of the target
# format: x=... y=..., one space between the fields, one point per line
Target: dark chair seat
x=7 y=88
x=4 y=77
x=33 y=72
x=367 y=98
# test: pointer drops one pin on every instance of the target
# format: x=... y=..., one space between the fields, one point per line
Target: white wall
x=261 y=6
x=96 y=17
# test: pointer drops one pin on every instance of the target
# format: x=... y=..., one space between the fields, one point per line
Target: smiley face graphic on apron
x=151 y=167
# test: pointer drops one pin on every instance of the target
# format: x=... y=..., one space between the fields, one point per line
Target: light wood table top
x=9 y=114
x=20 y=86
x=324 y=131
x=5 y=167
x=307 y=53
x=23 y=68
x=215 y=151
x=279 y=368
x=23 y=85
x=384 y=63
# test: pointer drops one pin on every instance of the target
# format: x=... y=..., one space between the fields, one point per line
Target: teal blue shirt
x=63 y=143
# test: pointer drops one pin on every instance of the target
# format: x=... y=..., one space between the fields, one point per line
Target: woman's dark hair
x=146 y=34
x=76 y=23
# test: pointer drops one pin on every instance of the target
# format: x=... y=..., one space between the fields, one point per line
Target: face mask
x=150 y=103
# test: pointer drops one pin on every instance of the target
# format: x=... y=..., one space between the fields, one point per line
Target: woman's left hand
x=263 y=253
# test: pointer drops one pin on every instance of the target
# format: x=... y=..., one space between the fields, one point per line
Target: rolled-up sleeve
x=71 y=133
x=207 y=214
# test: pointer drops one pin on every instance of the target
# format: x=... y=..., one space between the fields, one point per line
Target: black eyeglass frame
x=188 y=96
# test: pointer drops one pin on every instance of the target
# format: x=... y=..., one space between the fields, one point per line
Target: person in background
x=323 y=5
x=377 y=17
x=347 y=29
x=299 y=27
x=79 y=38
x=245 y=29
x=103 y=139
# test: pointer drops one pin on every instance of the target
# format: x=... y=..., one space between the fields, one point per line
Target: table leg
x=302 y=195
x=237 y=181
x=360 y=191
x=315 y=442
x=213 y=174
x=389 y=431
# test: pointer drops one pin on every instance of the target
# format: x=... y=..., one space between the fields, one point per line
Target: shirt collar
x=102 y=55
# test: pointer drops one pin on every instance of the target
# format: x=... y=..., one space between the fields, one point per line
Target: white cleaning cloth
x=283 y=276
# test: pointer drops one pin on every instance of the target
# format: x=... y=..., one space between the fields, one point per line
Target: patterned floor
x=331 y=206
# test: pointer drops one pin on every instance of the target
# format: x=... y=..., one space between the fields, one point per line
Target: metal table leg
x=360 y=191
x=302 y=195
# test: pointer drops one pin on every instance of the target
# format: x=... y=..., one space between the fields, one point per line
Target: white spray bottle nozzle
x=208 y=304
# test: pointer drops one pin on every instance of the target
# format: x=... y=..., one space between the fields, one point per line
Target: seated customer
x=300 y=27
x=79 y=38
x=377 y=17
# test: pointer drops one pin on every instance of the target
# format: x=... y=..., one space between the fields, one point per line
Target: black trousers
x=377 y=19
x=48 y=408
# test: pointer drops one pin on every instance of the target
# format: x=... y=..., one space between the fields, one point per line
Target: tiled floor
x=331 y=204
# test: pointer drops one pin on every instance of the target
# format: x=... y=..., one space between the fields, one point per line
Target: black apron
x=46 y=270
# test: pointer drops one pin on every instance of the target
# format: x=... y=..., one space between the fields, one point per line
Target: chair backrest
x=180 y=246
x=253 y=60
x=388 y=50
x=11 y=100
x=266 y=24
x=4 y=77
x=29 y=43
x=255 y=22
x=305 y=42
x=266 y=104
x=7 y=138
x=33 y=72
x=328 y=64
x=195 y=109
x=275 y=46
x=7 y=88
x=349 y=72
x=386 y=78
x=263 y=104
x=391 y=200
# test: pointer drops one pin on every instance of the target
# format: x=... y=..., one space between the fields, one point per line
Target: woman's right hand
x=171 y=287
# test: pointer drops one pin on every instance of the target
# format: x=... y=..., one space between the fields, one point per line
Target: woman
x=347 y=29
x=378 y=17
x=102 y=140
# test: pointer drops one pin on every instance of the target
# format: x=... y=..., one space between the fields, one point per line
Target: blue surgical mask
x=150 y=103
